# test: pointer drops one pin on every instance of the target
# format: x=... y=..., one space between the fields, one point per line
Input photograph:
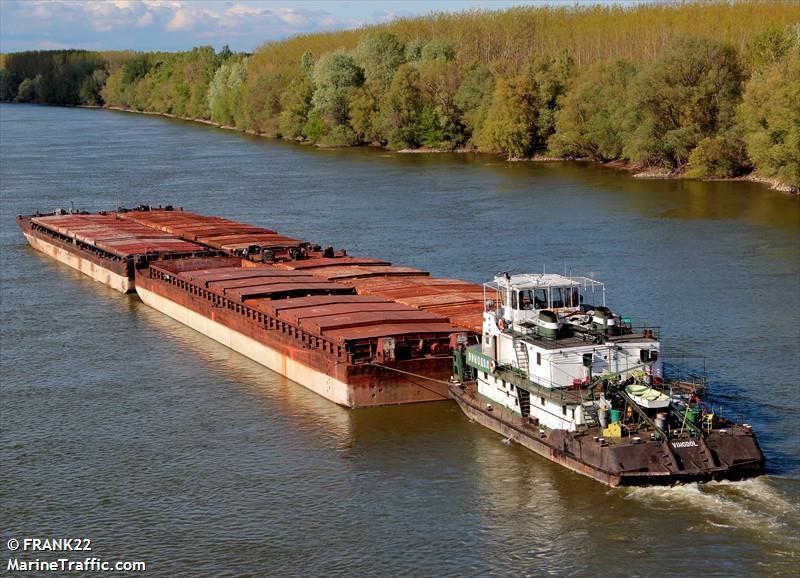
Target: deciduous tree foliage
x=400 y=109
x=770 y=113
x=592 y=120
x=657 y=83
x=689 y=93
x=50 y=76
x=225 y=90
x=296 y=105
x=336 y=77
x=510 y=124
x=522 y=115
x=380 y=54
x=474 y=97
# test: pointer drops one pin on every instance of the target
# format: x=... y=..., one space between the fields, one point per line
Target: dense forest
x=699 y=89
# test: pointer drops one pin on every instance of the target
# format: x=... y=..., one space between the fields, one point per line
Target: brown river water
x=123 y=426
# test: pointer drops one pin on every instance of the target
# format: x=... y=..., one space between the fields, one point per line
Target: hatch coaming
x=326 y=318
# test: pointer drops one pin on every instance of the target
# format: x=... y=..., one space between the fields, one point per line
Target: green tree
x=336 y=77
x=225 y=90
x=413 y=52
x=770 y=46
x=224 y=54
x=380 y=54
x=510 y=125
x=198 y=71
x=522 y=114
x=91 y=87
x=28 y=90
x=7 y=89
x=440 y=124
x=770 y=114
x=135 y=68
x=306 y=62
x=261 y=99
x=365 y=111
x=689 y=93
x=400 y=110
x=723 y=155
x=340 y=135
x=438 y=49
x=315 y=128
x=474 y=97
x=591 y=122
x=295 y=108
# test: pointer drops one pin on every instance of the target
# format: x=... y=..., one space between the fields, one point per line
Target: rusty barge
x=102 y=245
x=356 y=330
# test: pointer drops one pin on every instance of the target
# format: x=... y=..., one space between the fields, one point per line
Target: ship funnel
x=603 y=320
x=547 y=324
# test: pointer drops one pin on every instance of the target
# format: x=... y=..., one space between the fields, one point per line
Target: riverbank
x=754 y=177
x=639 y=171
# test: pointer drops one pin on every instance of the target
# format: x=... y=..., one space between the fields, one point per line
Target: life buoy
x=492 y=365
x=502 y=324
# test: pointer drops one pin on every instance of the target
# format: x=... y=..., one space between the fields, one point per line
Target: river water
x=121 y=425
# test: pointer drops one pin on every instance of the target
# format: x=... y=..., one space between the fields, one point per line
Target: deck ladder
x=524 y=401
x=522 y=356
x=590 y=414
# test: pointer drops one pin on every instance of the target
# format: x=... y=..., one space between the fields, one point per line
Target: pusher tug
x=560 y=373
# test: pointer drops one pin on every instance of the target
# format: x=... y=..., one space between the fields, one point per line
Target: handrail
x=664 y=438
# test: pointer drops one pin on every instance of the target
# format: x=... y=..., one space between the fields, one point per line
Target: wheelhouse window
x=526 y=299
x=540 y=298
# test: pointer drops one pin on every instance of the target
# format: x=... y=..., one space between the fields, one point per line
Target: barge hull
x=359 y=386
x=101 y=274
x=326 y=386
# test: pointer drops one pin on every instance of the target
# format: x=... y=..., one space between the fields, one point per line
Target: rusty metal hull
x=733 y=455
x=319 y=367
x=113 y=273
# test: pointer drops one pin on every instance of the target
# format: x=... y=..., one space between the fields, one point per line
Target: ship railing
x=628 y=327
x=75 y=241
x=530 y=332
x=561 y=394
x=264 y=320
x=681 y=371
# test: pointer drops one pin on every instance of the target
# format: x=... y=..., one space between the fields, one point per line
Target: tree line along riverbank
x=703 y=90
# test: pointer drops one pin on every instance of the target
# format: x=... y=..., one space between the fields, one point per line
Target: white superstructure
x=548 y=339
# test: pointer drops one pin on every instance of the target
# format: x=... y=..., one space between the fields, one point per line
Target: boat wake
x=753 y=505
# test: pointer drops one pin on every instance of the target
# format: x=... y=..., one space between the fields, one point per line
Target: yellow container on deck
x=613 y=431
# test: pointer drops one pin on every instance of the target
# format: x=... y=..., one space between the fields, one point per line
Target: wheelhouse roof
x=541 y=281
